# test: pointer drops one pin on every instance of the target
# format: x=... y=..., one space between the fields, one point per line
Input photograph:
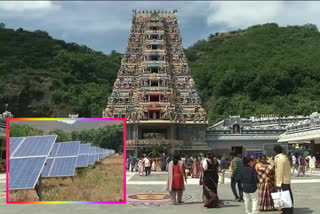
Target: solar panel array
x=30 y=157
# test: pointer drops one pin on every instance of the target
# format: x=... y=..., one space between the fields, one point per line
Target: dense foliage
x=21 y=130
x=110 y=137
x=265 y=69
x=62 y=135
x=42 y=76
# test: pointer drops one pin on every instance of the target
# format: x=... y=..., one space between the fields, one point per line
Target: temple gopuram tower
x=154 y=90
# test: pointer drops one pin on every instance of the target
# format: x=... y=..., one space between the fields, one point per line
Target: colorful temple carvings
x=154 y=81
x=154 y=90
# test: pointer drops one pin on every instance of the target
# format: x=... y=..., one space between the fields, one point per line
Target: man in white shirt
x=147 y=165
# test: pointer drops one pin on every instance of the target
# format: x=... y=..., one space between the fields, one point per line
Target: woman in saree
x=195 y=168
x=265 y=173
x=140 y=166
x=153 y=164
x=209 y=181
x=158 y=164
x=176 y=179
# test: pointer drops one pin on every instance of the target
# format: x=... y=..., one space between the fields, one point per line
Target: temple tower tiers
x=154 y=90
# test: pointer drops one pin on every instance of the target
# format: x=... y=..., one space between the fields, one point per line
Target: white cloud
x=242 y=14
x=18 y=6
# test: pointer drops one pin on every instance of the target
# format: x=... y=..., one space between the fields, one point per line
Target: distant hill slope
x=262 y=69
x=42 y=76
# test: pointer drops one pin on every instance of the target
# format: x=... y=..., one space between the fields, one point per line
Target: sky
x=105 y=25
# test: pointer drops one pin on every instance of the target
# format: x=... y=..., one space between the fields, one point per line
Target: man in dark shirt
x=235 y=178
x=249 y=180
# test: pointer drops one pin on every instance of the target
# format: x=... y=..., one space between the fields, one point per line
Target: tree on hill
x=62 y=135
x=262 y=69
x=22 y=130
x=45 y=77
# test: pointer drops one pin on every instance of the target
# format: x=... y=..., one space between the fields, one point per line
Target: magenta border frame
x=66 y=202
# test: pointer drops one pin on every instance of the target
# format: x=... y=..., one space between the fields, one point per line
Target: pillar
x=312 y=146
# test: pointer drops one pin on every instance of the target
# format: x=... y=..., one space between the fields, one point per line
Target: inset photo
x=71 y=159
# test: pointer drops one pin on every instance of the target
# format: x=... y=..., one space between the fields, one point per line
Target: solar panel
x=24 y=172
x=14 y=143
x=83 y=160
x=47 y=167
x=65 y=149
x=92 y=150
x=91 y=159
x=60 y=167
x=35 y=146
x=84 y=148
x=96 y=157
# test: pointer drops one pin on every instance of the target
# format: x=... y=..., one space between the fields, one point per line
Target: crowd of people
x=302 y=164
x=192 y=164
x=252 y=181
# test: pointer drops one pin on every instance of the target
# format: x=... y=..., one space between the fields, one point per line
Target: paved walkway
x=149 y=195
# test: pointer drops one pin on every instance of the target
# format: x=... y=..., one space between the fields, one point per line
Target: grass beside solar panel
x=102 y=181
x=40 y=158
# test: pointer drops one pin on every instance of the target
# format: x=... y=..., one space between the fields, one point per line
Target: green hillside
x=45 y=77
x=264 y=69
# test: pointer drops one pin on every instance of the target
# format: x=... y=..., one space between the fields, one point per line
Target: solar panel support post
x=39 y=188
x=72 y=179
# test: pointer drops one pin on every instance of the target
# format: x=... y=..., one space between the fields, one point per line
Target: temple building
x=154 y=90
x=249 y=136
x=156 y=94
x=304 y=135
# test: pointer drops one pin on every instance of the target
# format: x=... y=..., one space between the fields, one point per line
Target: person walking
x=223 y=167
x=128 y=162
x=249 y=181
x=140 y=166
x=235 y=177
x=294 y=164
x=312 y=164
x=283 y=174
x=163 y=162
x=195 y=168
x=301 y=163
x=147 y=165
x=210 y=182
x=153 y=164
x=133 y=163
x=176 y=178
x=265 y=174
